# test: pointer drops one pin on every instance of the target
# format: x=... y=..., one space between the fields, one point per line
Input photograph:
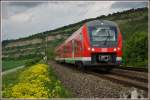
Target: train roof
x=101 y=22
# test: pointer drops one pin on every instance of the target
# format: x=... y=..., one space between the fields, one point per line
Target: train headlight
x=89 y=49
x=118 y=48
x=115 y=49
x=93 y=49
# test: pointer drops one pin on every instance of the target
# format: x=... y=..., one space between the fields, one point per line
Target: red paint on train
x=80 y=47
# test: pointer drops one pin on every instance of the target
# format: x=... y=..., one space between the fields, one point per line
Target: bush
x=137 y=50
x=32 y=62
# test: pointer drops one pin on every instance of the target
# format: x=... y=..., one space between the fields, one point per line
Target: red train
x=97 y=42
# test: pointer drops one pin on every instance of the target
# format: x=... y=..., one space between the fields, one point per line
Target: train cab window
x=103 y=33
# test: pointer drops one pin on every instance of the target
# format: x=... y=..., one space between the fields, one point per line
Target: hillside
x=133 y=24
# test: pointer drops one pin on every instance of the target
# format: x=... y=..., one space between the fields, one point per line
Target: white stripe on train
x=83 y=58
x=77 y=58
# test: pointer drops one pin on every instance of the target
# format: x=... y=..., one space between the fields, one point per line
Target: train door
x=73 y=49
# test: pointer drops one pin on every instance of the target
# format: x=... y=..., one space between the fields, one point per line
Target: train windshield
x=103 y=33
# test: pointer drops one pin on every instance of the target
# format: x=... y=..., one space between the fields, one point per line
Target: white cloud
x=99 y=8
x=21 y=17
x=23 y=20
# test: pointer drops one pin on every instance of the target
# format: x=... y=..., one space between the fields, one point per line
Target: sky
x=21 y=19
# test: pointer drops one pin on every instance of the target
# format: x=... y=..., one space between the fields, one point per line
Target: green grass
x=64 y=93
x=55 y=86
x=11 y=78
x=10 y=64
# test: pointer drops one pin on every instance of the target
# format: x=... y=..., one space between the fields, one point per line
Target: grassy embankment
x=36 y=81
x=31 y=54
x=13 y=63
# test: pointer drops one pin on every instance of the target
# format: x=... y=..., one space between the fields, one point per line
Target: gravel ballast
x=84 y=85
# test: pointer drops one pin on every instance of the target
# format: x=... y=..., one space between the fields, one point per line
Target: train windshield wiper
x=108 y=37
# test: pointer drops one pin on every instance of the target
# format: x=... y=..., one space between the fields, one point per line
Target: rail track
x=133 y=68
x=126 y=77
x=132 y=78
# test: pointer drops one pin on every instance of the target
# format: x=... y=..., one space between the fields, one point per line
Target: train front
x=105 y=43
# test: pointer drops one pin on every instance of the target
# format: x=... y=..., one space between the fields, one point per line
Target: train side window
x=80 y=36
x=75 y=46
x=75 y=50
x=65 y=50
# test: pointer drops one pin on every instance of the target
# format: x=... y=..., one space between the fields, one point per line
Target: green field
x=9 y=64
